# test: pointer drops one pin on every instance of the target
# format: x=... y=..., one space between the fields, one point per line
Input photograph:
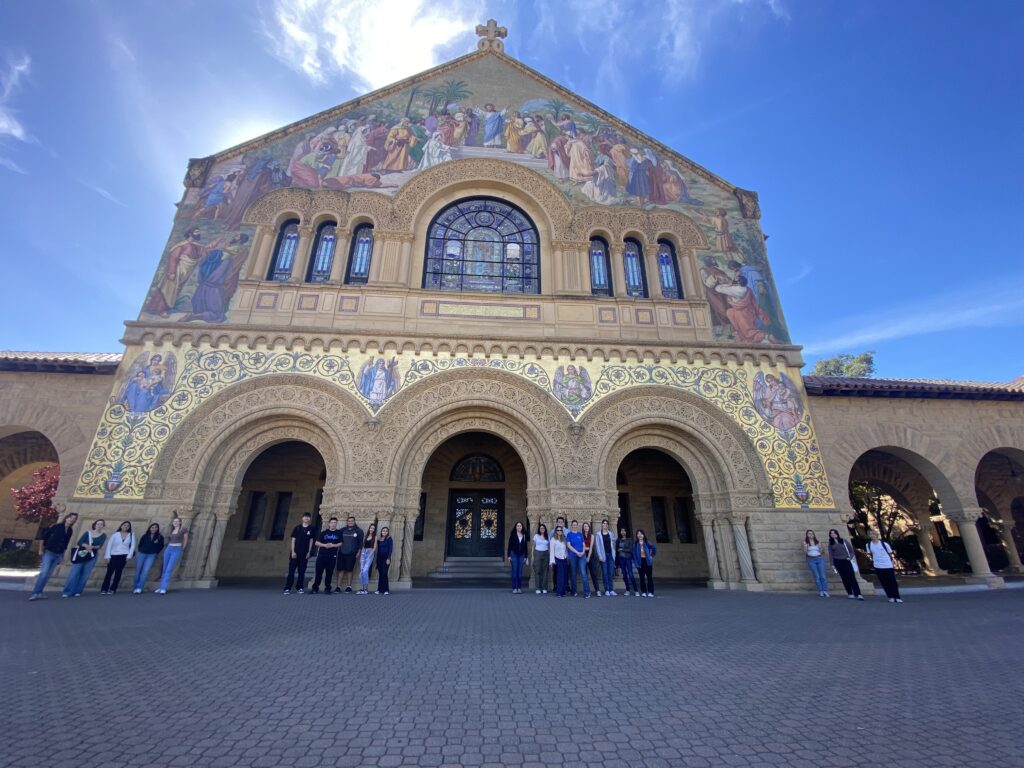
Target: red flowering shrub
x=34 y=502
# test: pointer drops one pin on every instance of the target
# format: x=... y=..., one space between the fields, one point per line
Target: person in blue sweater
x=643 y=558
x=385 y=548
x=577 y=557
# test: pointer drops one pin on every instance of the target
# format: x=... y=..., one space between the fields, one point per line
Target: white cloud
x=980 y=308
x=15 y=70
x=804 y=271
x=102 y=193
x=379 y=42
x=10 y=165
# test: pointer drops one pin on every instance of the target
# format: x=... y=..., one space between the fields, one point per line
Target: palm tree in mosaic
x=455 y=91
x=558 y=108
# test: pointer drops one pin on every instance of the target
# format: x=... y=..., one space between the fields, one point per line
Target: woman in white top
x=559 y=553
x=816 y=562
x=885 y=570
x=120 y=549
x=541 y=559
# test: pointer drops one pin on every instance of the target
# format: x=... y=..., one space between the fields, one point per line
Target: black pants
x=324 y=566
x=594 y=569
x=646 y=577
x=297 y=572
x=382 y=577
x=887 y=578
x=113 y=576
x=845 y=568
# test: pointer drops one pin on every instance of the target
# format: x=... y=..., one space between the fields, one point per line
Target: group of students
x=121 y=546
x=844 y=562
x=342 y=549
x=577 y=551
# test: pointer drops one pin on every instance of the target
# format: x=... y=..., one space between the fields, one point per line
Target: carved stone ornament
x=749 y=206
x=195 y=176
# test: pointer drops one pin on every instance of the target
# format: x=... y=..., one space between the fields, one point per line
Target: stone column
x=220 y=524
x=965 y=520
x=748 y=579
x=302 y=254
x=340 y=255
x=1006 y=528
x=707 y=525
x=931 y=562
x=615 y=251
x=265 y=237
x=375 y=258
x=403 y=548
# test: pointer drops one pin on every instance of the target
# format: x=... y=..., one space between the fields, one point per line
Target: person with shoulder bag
x=881 y=557
x=83 y=559
x=844 y=562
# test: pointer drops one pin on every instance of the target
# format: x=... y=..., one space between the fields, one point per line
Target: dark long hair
x=545 y=534
x=370 y=536
x=838 y=537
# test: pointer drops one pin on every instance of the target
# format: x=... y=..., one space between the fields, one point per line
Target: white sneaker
x=636 y=594
x=851 y=597
x=898 y=600
x=537 y=591
x=136 y=591
x=543 y=591
x=598 y=594
x=613 y=593
x=650 y=594
x=892 y=599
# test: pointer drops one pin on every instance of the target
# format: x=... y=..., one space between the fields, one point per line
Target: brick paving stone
x=233 y=678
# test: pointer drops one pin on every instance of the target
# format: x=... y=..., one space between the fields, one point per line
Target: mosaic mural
x=769 y=409
x=483 y=108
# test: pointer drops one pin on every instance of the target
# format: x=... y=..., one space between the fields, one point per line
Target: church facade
x=471 y=299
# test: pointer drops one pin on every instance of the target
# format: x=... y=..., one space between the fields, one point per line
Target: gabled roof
x=446 y=68
x=60 y=362
x=852 y=386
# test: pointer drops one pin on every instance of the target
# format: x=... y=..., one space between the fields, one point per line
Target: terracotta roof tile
x=852 y=386
x=74 y=362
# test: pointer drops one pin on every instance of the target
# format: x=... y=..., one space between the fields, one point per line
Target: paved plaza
x=246 y=677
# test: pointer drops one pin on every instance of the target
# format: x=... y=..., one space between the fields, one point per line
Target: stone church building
x=473 y=298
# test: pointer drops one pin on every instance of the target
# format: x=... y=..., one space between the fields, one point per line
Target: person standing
x=842 y=556
x=177 y=540
x=328 y=543
x=881 y=557
x=624 y=556
x=643 y=558
x=150 y=545
x=606 y=556
x=120 y=549
x=83 y=559
x=351 y=544
x=559 y=523
x=816 y=562
x=302 y=540
x=516 y=553
x=559 y=559
x=385 y=548
x=577 y=557
x=55 y=544
x=541 y=559
x=366 y=555
x=593 y=562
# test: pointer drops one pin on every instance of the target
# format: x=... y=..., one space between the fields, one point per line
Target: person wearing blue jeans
x=816 y=562
x=577 y=557
x=177 y=540
x=517 y=551
x=150 y=546
x=624 y=557
x=87 y=552
x=55 y=544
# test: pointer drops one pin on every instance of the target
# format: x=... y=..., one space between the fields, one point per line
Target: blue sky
x=884 y=139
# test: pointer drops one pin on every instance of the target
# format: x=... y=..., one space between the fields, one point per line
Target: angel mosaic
x=379 y=380
x=150 y=382
x=778 y=401
x=573 y=387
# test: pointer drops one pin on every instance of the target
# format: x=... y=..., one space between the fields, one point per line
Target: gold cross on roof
x=490 y=34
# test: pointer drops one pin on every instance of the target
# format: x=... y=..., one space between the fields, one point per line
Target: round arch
x=58 y=426
x=931 y=473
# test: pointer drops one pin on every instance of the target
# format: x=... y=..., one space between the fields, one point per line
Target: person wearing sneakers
x=177 y=540
x=605 y=548
x=150 y=545
x=366 y=557
x=55 y=544
x=326 y=556
x=541 y=566
x=816 y=562
x=624 y=555
x=385 y=548
x=881 y=557
x=351 y=544
x=83 y=558
x=120 y=549
x=643 y=558
x=302 y=541
x=516 y=553
x=577 y=557
x=843 y=561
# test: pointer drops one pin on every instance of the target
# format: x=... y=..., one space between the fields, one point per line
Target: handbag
x=81 y=554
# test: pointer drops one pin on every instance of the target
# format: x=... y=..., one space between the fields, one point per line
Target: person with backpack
x=844 y=563
x=881 y=557
x=55 y=544
x=83 y=558
x=120 y=549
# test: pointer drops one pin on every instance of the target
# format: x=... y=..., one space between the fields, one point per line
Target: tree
x=846 y=365
x=875 y=509
x=34 y=502
x=558 y=107
x=455 y=91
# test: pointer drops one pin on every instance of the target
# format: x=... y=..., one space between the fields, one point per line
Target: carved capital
x=195 y=176
x=964 y=515
x=749 y=205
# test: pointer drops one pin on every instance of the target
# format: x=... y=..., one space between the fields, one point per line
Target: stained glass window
x=633 y=261
x=478 y=468
x=360 y=254
x=323 y=253
x=668 y=271
x=284 y=254
x=600 y=268
x=482 y=245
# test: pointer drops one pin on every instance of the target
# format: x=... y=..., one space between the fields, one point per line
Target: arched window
x=323 y=253
x=284 y=251
x=600 y=268
x=636 y=278
x=485 y=245
x=359 y=255
x=477 y=468
x=668 y=271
